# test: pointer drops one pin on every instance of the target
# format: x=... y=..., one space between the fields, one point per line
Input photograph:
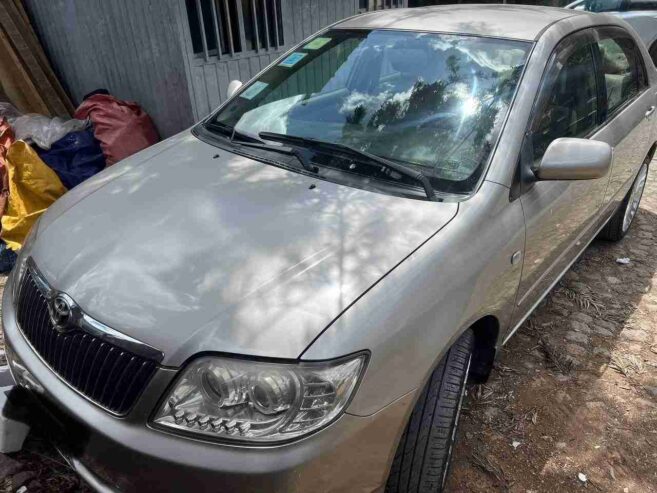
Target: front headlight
x=242 y=400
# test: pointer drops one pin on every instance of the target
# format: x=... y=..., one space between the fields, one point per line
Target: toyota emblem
x=61 y=313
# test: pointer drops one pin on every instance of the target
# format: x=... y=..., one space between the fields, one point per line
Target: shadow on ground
x=572 y=403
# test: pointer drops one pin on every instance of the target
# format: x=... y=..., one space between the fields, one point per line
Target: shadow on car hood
x=191 y=253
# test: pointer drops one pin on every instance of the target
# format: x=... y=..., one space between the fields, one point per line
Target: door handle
x=650 y=111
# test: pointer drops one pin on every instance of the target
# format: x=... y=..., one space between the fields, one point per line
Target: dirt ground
x=571 y=404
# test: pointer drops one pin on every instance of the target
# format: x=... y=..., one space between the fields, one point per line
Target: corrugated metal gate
x=176 y=57
x=251 y=34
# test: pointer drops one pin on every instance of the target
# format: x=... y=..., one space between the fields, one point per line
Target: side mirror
x=233 y=87
x=575 y=159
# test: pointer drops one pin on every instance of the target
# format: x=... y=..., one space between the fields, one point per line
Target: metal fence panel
x=130 y=47
x=275 y=27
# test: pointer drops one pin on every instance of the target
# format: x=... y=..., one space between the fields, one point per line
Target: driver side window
x=568 y=104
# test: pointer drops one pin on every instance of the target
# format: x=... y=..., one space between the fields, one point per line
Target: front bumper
x=125 y=454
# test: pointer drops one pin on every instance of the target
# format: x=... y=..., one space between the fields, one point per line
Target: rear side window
x=568 y=101
x=621 y=66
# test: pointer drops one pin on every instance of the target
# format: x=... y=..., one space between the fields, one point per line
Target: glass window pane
x=571 y=109
x=618 y=54
x=432 y=101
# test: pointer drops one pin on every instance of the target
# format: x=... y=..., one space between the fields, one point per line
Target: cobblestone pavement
x=571 y=404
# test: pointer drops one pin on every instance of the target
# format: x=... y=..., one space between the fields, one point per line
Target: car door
x=559 y=214
x=629 y=106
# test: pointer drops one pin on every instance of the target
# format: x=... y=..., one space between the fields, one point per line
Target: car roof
x=523 y=22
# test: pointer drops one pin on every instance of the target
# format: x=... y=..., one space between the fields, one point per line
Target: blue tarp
x=7 y=258
x=75 y=157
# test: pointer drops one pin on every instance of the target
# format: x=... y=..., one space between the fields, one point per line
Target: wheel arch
x=651 y=152
x=486 y=332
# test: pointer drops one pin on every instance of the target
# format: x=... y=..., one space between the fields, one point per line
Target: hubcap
x=635 y=197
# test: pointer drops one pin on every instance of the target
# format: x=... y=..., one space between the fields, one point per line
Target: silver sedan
x=291 y=295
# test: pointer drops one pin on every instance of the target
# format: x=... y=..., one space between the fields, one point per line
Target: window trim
x=651 y=48
x=642 y=75
x=522 y=181
x=200 y=132
x=571 y=41
x=524 y=178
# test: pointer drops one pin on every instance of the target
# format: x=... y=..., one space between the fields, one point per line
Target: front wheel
x=424 y=453
x=620 y=222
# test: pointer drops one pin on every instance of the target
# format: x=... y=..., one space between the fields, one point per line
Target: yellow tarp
x=33 y=187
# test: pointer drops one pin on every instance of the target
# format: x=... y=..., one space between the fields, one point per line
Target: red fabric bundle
x=6 y=140
x=122 y=127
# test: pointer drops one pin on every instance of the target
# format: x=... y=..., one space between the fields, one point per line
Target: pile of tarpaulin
x=41 y=158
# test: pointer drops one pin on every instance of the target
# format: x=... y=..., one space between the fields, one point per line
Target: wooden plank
x=16 y=82
x=15 y=30
x=37 y=49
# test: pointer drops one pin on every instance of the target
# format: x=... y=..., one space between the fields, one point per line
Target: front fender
x=415 y=313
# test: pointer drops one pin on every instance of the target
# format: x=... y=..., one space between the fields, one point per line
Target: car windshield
x=433 y=102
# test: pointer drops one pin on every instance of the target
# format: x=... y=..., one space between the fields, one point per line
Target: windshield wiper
x=303 y=157
x=391 y=165
x=230 y=132
x=248 y=141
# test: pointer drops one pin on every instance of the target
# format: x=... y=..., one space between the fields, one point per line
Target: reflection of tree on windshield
x=424 y=120
x=435 y=101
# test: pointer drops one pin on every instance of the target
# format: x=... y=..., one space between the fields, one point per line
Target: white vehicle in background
x=613 y=5
x=640 y=14
x=645 y=24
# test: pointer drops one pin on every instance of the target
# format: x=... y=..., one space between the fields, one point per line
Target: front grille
x=107 y=374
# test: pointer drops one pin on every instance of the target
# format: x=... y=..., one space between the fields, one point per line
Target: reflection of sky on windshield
x=432 y=100
x=270 y=117
x=372 y=102
x=498 y=60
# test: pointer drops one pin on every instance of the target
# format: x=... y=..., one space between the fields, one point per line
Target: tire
x=620 y=222
x=424 y=452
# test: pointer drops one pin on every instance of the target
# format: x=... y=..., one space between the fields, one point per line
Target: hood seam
x=376 y=282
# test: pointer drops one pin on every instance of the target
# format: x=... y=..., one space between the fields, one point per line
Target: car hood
x=188 y=251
